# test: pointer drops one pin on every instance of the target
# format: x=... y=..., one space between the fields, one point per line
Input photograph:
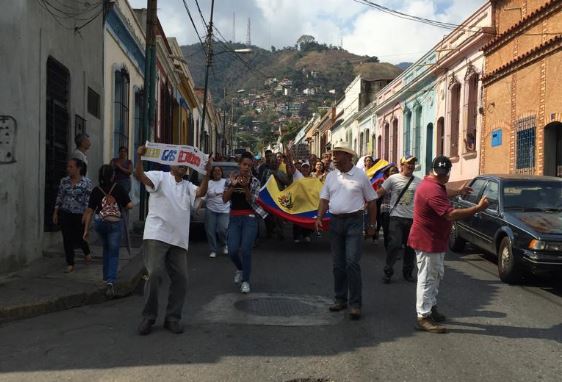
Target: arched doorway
x=553 y=149
x=428 y=148
x=440 y=136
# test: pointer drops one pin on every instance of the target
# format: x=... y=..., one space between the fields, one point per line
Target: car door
x=467 y=228
x=489 y=221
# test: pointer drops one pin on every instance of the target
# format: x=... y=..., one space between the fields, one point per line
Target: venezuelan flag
x=376 y=172
x=297 y=203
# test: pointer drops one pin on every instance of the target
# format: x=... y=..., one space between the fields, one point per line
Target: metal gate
x=58 y=79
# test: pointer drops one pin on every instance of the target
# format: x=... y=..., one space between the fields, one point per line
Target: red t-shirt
x=430 y=229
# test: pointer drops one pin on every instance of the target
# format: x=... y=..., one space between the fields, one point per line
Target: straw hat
x=345 y=147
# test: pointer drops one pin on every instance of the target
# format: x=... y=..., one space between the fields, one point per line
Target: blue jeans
x=216 y=226
x=110 y=234
x=346 y=243
x=242 y=232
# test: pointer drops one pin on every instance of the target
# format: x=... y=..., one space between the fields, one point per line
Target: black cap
x=442 y=165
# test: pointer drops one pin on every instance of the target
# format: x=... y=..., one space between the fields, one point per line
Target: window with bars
x=407 y=130
x=121 y=111
x=525 y=143
x=472 y=114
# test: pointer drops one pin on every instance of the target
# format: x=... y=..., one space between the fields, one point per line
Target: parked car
x=522 y=225
x=198 y=213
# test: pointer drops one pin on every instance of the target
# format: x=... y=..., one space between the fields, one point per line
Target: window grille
x=525 y=145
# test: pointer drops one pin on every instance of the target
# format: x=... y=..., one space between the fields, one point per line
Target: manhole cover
x=275 y=306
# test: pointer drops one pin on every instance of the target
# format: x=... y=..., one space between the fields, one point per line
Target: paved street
x=283 y=332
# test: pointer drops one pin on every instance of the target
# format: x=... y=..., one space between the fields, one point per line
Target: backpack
x=109 y=211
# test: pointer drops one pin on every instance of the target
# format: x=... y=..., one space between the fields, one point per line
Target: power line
x=201 y=14
x=436 y=23
x=195 y=27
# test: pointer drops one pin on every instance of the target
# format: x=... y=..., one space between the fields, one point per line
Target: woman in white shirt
x=216 y=213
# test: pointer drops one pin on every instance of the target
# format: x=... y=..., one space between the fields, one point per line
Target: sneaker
x=409 y=278
x=386 y=279
x=213 y=254
x=245 y=287
x=145 y=327
x=307 y=239
x=109 y=290
x=428 y=325
x=238 y=277
x=297 y=241
x=436 y=316
x=225 y=250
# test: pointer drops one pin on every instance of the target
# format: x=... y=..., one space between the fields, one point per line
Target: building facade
x=522 y=126
x=459 y=70
x=52 y=84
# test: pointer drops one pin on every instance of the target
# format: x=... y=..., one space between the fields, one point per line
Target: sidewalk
x=43 y=287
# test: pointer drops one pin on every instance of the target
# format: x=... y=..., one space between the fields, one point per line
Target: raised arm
x=202 y=189
x=139 y=171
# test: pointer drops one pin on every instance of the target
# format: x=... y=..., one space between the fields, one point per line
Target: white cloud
x=282 y=22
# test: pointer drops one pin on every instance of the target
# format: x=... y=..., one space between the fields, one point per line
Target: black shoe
x=145 y=326
x=410 y=278
x=386 y=279
x=436 y=315
x=174 y=327
x=355 y=314
x=337 y=307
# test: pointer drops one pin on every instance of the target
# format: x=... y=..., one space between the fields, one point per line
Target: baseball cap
x=306 y=163
x=442 y=165
x=407 y=159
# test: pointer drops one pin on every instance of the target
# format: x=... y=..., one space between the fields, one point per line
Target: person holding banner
x=241 y=190
x=166 y=236
x=344 y=194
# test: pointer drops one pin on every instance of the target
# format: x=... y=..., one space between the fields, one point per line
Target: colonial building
x=52 y=84
x=522 y=129
x=459 y=69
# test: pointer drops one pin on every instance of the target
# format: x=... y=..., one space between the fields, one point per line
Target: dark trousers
x=346 y=242
x=161 y=259
x=300 y=233
x=72 y=233
x=399 y=230
x=385 y=220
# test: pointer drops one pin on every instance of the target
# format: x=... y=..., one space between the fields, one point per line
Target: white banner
x=176 y=155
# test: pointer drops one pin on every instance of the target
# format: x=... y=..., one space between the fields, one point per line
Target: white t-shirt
x=214 y=197
x=169 y=208
x=79 y=155
x=347 y=191
x=394 y=185
x=297 y=175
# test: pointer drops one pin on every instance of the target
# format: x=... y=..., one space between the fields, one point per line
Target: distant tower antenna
x=233 y=26
x=249 y=34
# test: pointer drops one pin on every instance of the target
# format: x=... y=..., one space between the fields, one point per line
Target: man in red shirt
x=433 y=214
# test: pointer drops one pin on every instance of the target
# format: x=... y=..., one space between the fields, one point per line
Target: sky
x=361 y=29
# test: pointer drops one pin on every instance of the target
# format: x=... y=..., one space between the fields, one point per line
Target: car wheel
x=508 y=266
x=456 y=243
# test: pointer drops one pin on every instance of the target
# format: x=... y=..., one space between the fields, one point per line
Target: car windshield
x=533 y=195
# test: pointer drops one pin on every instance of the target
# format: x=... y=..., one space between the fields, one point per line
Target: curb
x=129 y=277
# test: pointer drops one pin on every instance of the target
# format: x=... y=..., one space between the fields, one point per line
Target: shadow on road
x=104 y=336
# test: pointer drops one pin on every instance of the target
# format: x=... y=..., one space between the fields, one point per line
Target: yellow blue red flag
x=297 y=203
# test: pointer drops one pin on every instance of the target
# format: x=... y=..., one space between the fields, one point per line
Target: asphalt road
x=283 y=332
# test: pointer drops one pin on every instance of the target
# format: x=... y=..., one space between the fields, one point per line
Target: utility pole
x=149 y=89
x=209 y=63
x=150 y=72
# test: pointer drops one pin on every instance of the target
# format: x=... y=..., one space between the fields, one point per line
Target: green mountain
x=335 y=68
x=274 y=92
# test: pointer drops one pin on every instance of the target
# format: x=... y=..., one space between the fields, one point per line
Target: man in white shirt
x=344 y=194
x=166 y=239
x=402 y=188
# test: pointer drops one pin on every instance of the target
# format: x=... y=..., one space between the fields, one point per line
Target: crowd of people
x=415 y=216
